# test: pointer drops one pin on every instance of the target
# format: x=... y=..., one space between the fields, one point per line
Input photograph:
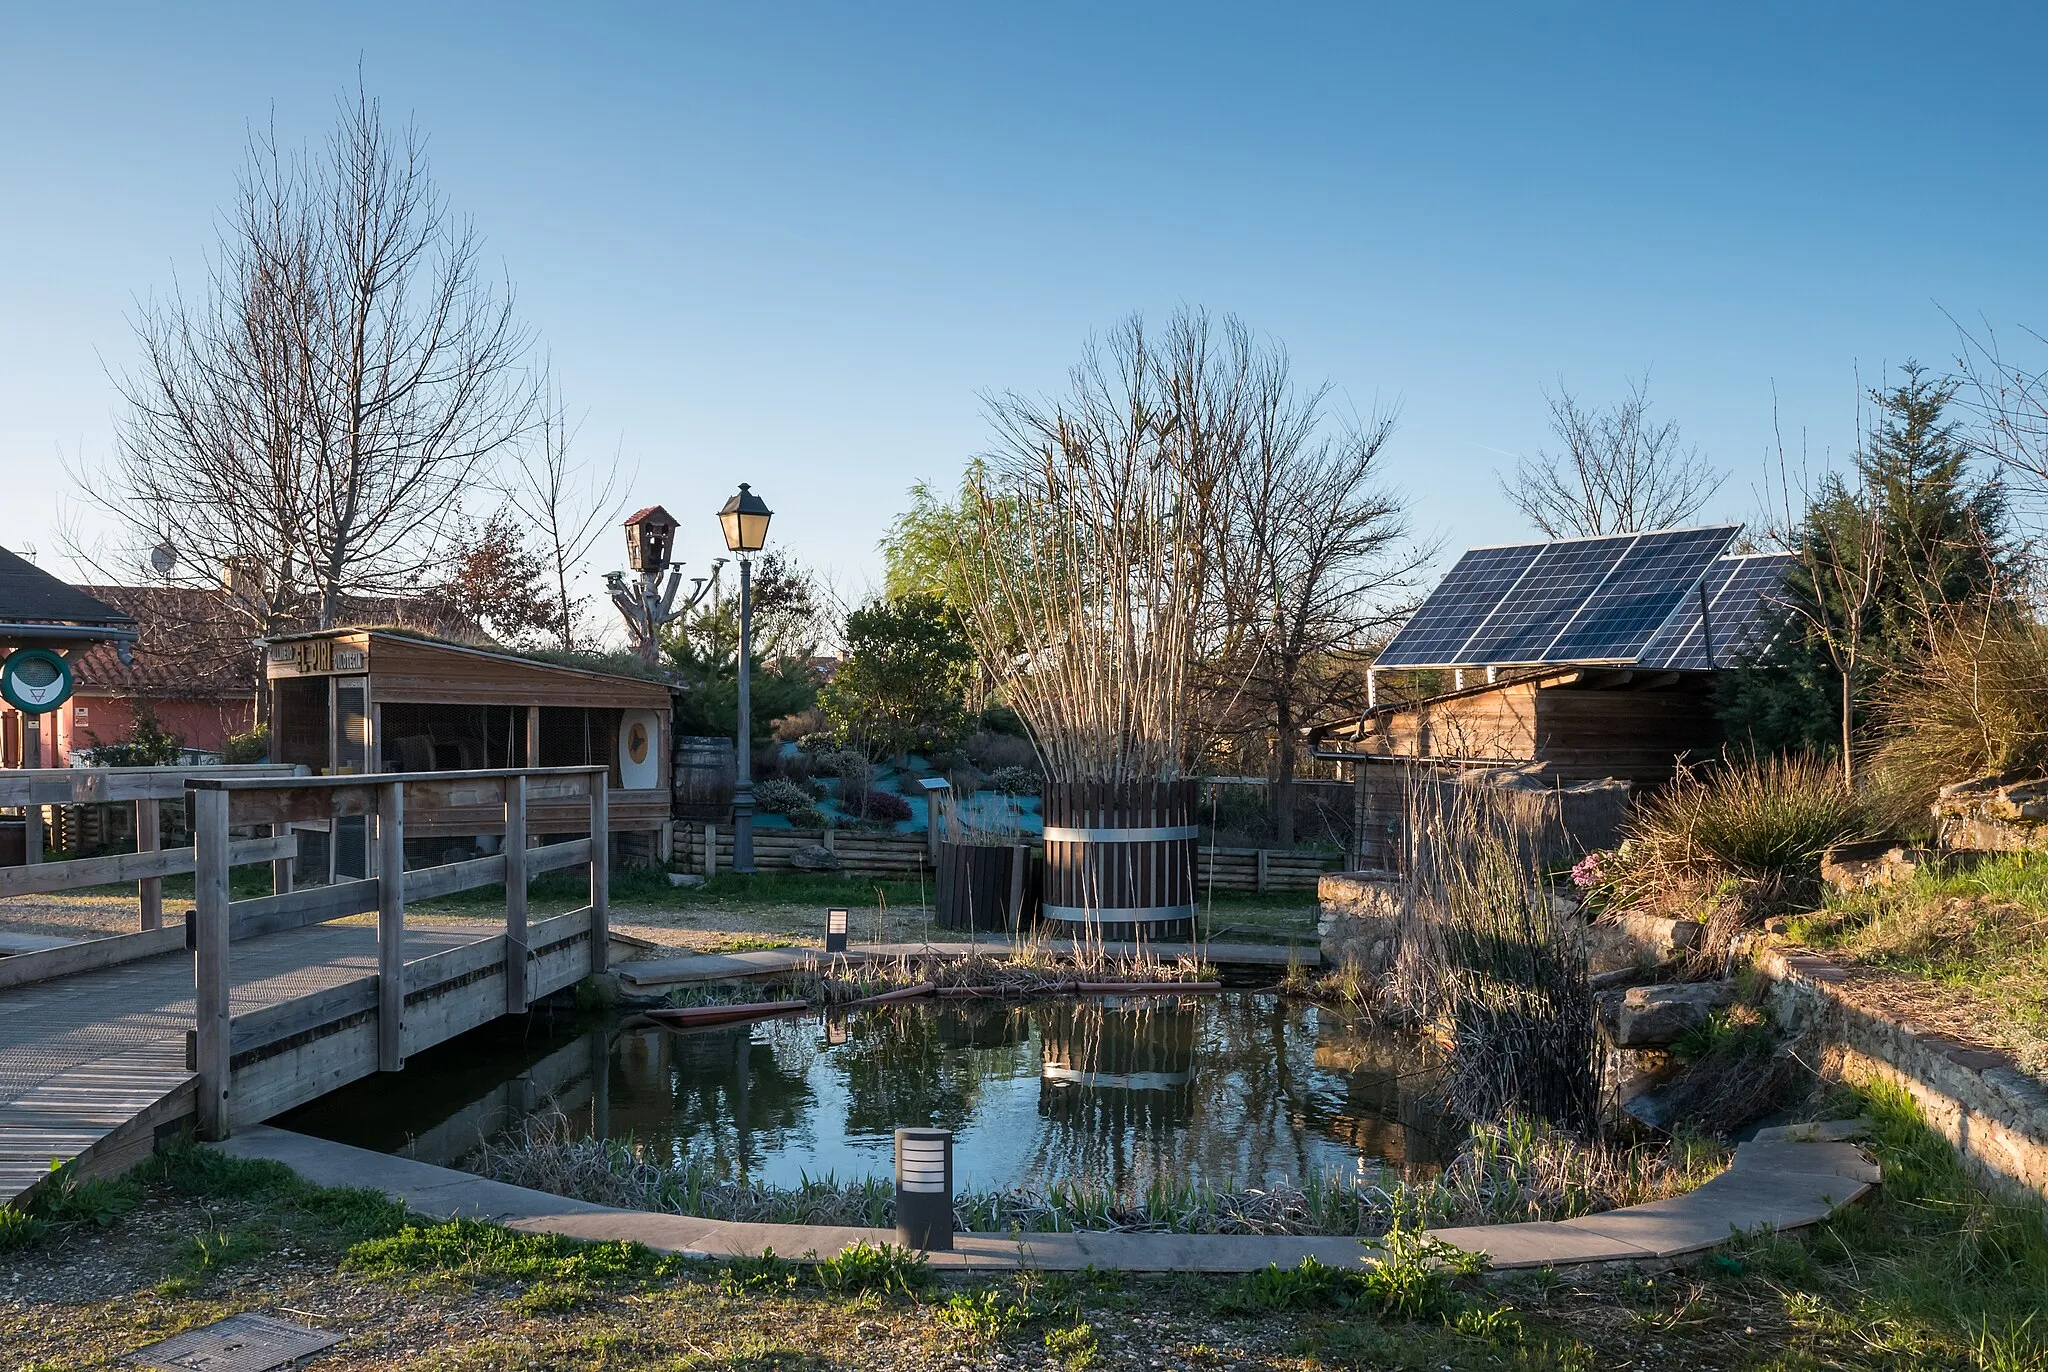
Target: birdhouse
x=650 y=538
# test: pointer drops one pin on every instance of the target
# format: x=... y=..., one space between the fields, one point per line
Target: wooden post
x=710 y=851
x=149 y=838
x=1262 y=876
x=1020 y=858
x=212 y=1028
x=533 y=735
x=32 y=831
x=515 y=895
x=390 y=927
x=281 y=868
x=600 y=873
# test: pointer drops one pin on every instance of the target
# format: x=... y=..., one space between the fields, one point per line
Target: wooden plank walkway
x=85 y=1057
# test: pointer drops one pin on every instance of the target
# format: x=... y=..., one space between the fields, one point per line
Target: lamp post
x=744 y=520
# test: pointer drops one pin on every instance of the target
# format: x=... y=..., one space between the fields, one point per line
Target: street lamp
x=745 y=522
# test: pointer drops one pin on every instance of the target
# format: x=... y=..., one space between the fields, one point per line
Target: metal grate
x=239 y=1343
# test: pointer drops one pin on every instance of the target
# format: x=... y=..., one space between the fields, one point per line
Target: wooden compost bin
x=987 y=887
x=1120 y=858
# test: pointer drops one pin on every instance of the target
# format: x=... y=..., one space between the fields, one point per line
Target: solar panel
x=1576 y=600
x=1745 y=604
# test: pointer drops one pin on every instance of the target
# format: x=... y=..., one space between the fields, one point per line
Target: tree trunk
x=1848 y=719
x=1282 y=796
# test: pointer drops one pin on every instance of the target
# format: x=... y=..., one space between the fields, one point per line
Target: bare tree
x=1319 y=561
x=314 y=420
x=1619 y=472
x=569 y=504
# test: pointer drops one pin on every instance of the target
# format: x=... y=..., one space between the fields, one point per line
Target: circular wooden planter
x=986 y=888
x=1120 y=858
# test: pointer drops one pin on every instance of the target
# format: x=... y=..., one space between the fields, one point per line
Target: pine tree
x=1934 y=537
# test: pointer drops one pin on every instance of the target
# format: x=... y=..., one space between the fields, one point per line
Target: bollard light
x=835 y=930
x=924 y=1189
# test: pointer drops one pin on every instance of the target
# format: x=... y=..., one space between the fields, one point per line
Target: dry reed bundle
x=1087 y=566
x=1487 y=957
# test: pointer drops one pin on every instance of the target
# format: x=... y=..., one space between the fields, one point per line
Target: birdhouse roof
x=653 y=514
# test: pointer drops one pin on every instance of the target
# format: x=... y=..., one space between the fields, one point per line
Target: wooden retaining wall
x=904 y=856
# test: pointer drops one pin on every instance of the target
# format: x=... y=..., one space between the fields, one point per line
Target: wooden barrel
x=986 y=887
x=1120 y=858
x=704 y=772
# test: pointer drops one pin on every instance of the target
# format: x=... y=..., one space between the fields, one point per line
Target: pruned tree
x=316 y=417
x=569 y=504
x=1618 y=471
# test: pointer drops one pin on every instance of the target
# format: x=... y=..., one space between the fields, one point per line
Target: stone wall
x=1360 y=919
x=1995 y=1114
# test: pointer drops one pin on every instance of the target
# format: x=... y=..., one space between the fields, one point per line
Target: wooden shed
x=352 y=701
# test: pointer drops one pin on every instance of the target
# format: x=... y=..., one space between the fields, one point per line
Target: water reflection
x=1233 y=1090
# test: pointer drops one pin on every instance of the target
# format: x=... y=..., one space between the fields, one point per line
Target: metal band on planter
x=1060 y=833
x=1120 y=857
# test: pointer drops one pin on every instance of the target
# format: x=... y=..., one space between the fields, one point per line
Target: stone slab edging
x=1782 y=1180
x=1991 y=1111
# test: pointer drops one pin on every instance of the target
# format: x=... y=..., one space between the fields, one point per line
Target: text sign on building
x=317 y=656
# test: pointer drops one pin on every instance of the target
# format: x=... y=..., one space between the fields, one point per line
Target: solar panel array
x=1745 y=605
x=1577 y=600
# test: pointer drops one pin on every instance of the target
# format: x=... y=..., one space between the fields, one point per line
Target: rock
x=814 y=857
x=684 y=879
x=1652 y=1016
x=1852 y=867
x=1360 y=920
x=2003 y=813
x=1614 y=942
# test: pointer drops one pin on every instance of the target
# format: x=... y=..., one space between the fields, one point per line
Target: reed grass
x=1489 y=963
x=1031 y=967
x=1505 y=1173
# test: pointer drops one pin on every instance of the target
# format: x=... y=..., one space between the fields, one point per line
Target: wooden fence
x=707 y=849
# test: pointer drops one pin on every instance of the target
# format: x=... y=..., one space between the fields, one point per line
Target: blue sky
x=791 y=244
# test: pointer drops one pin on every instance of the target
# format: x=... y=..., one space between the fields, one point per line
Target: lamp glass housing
x=744 y=519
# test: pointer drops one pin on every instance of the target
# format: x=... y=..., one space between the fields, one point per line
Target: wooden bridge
x=251 y=1007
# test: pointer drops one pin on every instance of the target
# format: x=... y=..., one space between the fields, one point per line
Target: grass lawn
x=1977 y=935
x=1931 y=1274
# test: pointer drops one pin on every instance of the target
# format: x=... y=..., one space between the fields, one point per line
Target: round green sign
x=35 y=680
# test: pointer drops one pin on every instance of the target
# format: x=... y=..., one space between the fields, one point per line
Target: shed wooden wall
x=408 y=670
x=1494 y=725
x=1584 y=733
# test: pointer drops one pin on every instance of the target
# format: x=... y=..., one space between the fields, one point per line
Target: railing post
x=212 y=1028
x=600 y=872
x=281 y=868
x=391 y=927
x=149 y=838
x=515 y=895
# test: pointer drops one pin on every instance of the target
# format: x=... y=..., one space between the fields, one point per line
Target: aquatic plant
x=1505 y=1172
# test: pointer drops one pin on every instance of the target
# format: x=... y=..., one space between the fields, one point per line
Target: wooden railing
x=218 y=922
x=147 y=788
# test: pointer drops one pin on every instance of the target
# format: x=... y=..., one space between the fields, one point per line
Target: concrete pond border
x=1783 y=1179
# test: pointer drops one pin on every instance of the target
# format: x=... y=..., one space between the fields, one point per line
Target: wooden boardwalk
x=107 y=1043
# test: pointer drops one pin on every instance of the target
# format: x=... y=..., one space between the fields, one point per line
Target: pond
x=1232 y=1090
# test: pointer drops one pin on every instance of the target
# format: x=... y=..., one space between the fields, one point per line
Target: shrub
x=992 y=750
x=1763 y=819
x=882 y=805
x=253 y=746
x=778 y=796
x=1025 y=781
x=1976 y=701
